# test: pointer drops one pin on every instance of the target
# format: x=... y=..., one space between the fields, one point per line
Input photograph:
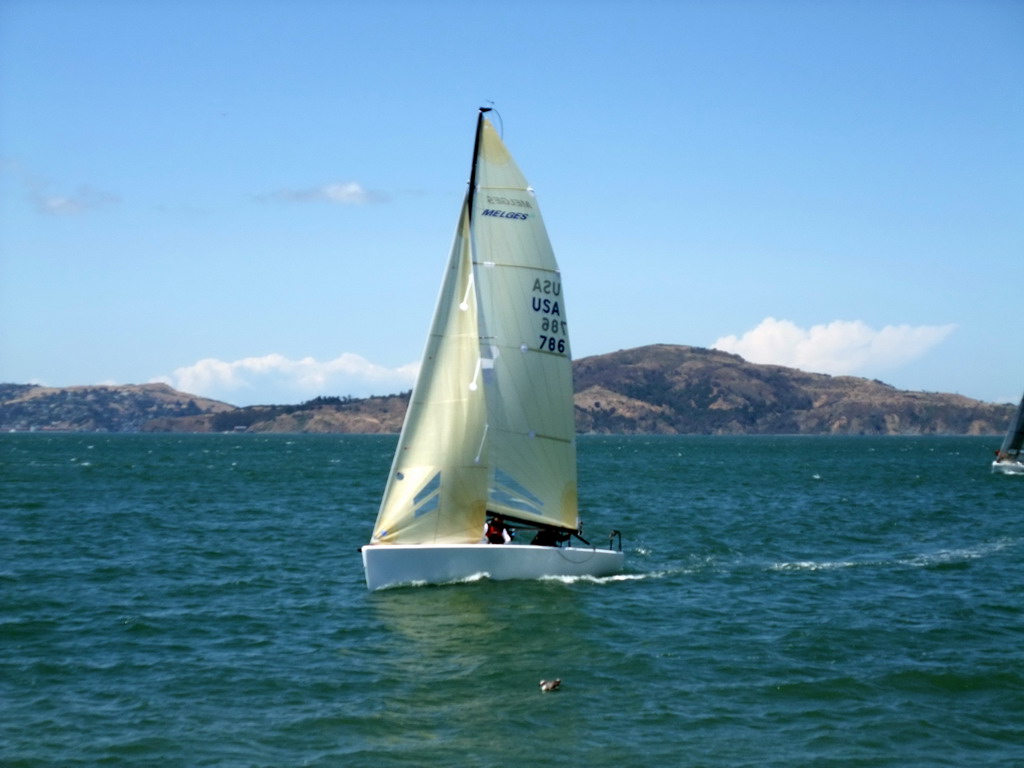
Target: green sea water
x=199 y=601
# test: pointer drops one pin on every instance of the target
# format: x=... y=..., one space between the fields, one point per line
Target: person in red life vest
x=496 y=532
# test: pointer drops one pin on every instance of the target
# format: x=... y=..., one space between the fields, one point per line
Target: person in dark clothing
x=550 y=537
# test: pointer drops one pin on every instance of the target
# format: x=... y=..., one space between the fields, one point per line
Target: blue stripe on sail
x=429 y=497
x=510 y=492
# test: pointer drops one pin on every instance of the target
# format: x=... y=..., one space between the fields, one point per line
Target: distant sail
x=1014 y=439
x=1008 y=459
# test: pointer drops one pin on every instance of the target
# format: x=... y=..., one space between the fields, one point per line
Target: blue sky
x=254 y=201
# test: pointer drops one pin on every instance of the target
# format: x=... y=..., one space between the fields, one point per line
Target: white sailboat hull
x=389 y=565
x=1008 y=467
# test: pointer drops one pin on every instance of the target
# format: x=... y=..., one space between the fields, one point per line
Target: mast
x=476 y=156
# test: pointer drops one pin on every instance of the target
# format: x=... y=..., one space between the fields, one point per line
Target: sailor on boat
x=496 y=532
x=549 y=537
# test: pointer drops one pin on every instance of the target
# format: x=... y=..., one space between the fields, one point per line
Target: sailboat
x=1008 y=459
x=488 y=440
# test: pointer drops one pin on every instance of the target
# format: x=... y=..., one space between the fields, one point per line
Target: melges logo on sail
x=504 y=214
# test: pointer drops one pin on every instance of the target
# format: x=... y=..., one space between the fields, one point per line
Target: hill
x=124 y=408
x=373 y=415
x=658 y=389
x=669 y=389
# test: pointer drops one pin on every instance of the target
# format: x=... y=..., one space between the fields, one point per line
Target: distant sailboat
x=1008 y=458
x=489 y=438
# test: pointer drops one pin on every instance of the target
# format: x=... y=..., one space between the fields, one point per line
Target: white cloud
x=338 y=192
x=39 y=192
x=85 y=199
x=840 y=347
x=276 y=379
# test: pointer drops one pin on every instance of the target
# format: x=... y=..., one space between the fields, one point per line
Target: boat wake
x=576 y=579
x=597 y=579
x=471 y=579
x=959 y=555
x=940 y=557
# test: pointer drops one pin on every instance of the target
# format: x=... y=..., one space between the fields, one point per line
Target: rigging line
x=568 y=556
x=535 y=435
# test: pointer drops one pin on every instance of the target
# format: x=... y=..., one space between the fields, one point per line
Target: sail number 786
x=554 y=329
x=551 y=344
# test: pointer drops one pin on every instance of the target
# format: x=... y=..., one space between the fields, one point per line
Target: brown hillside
x=672 y=389
x=659 y=389
x=125 y=408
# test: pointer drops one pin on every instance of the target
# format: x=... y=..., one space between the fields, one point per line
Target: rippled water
x=198 y=600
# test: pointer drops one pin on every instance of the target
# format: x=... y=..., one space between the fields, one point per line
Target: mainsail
x=490 y=426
